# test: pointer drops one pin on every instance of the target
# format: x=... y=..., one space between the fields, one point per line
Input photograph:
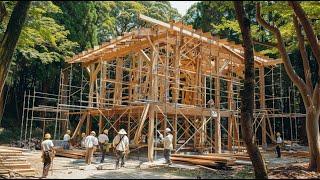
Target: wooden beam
x=217 y=103
x=230 y=119
x=82 y=119
x=141 y=124
x=262 y=105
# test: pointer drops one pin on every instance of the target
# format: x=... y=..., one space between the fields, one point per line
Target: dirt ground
x=67 y=168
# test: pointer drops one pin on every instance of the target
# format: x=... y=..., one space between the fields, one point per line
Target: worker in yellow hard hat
x=47 y=154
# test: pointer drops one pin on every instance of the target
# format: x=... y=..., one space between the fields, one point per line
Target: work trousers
x=46 y=163
x=89 y=154
x=119 y=155
x=103 y=152
x=167 y=155
x=66 y=145
x=278 y=149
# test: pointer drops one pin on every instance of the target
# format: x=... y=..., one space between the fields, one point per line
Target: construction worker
x=66 y=140
x=103 y=143
x=279 y=143
x=47 y=154
x=167 y=145
x=90 y=143
x=83 y=138
x=121 y=145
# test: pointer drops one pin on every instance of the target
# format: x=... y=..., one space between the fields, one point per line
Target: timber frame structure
x=168 y=75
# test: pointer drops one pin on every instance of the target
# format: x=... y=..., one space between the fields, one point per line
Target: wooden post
x=217 y=103
x=88 y=126
x=154 y=97
x=78 y=128
x=176 y=89
x=118 y=85
x=230 y=118
x=262 y=106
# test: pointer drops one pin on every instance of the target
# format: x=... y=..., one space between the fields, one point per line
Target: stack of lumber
x=238 y=156
x=75 y=154
x=300 y=154
x=13 y=163
x=204 y=160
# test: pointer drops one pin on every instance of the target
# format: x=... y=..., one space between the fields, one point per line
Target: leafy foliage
x=55 y=30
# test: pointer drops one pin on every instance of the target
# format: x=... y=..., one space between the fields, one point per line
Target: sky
x=182 y=6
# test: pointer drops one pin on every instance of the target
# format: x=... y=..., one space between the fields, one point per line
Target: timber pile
x=75 y=154
x=300 y=154
x=204 y=160
x=13 y=164
x=238 y=156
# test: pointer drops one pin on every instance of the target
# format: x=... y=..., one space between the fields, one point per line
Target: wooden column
x=93 y=77
x=153 y=95
x=217 y=134
x=262 y=106
x=129 y=124
x=88 y=126
x=92 y=84
x=102 y=95
x=176 y=91
x=118 y=83
x=230 y=118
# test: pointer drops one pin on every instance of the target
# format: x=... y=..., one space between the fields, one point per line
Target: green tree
x=247 y=95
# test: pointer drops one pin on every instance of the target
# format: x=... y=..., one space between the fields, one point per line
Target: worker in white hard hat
x=279 y=143
x=103 y=143
x=47 y=154
x=90 y=143
x=121 y=145
x=167 y=144
x=66 y=140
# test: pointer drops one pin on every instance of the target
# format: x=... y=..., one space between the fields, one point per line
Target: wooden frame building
x=168 y=75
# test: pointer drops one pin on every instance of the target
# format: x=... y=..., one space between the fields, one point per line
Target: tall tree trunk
x=2 y=100
x=312 y=125
x=310 y=95
x=247 y=94
x=3 y=11
x=10 y=38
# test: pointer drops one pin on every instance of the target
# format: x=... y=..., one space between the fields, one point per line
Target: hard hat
x=105 y=131
x=68 y=131
x=47 y=136
x=122 y=131
x=278 y=134
x=167 y=130
x=83 y=134
x=93 y=133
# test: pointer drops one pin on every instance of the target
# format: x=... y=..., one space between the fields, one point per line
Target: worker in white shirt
x=90 y=143
x=103 y=143
x=47 y=154
x=121 y=145
x=167 y=144
x=279 y=143
x=66 y=140
x=82 y=143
